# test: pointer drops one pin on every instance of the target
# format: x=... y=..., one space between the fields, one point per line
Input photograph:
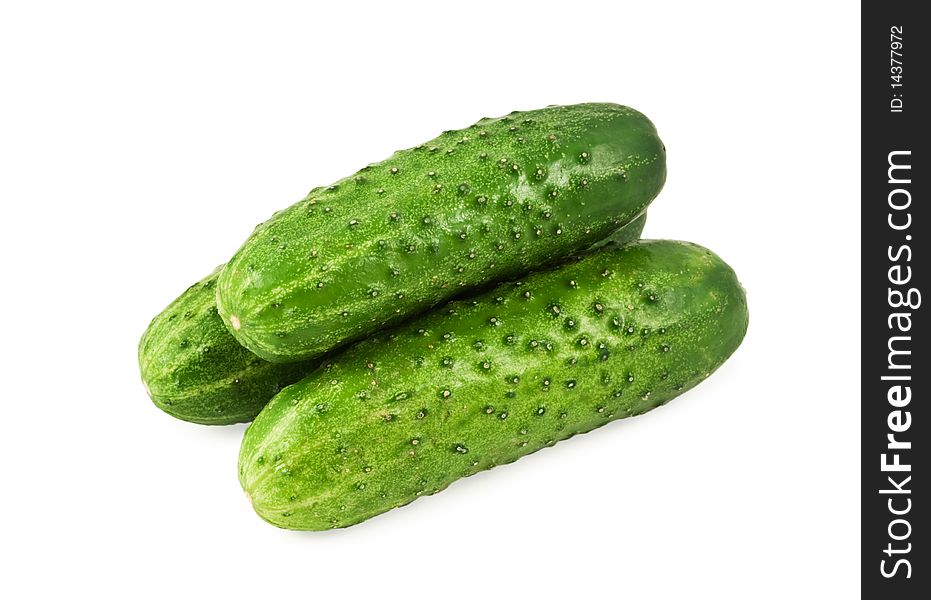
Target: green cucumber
x=195 y=370
x=484 y=381
x=470 y=207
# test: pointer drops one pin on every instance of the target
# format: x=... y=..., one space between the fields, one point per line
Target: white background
x=138 y=148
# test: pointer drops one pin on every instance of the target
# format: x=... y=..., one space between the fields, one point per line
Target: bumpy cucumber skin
x=473 y=206
x=483 y=381
x=196 y=371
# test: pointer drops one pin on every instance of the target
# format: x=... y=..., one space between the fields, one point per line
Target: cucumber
x=195 y=370
x=470 y=207
x=483 y=381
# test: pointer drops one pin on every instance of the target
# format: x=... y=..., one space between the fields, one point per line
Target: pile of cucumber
x=455 y=307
